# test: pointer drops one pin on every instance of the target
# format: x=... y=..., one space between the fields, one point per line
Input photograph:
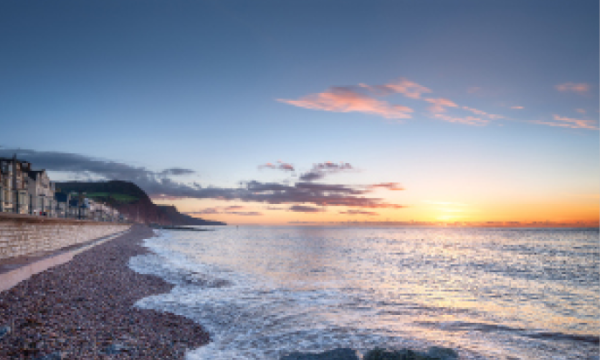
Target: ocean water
x=263 y=292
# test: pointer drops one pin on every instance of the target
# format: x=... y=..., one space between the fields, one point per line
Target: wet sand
x=84 y=310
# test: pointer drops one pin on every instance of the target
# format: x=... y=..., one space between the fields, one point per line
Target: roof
x=34 y=173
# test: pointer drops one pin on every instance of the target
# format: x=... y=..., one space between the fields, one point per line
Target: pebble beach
x=84 y=309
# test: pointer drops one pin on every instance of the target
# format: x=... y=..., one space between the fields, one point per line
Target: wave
x=485 y=327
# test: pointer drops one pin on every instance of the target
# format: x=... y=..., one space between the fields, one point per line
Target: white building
x=41 y=193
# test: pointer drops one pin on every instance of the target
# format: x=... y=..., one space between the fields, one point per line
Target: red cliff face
x=143 y=211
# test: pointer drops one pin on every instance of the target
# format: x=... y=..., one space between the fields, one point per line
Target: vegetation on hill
x=112 y=198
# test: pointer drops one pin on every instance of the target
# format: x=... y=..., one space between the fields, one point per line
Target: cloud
x=581 y=111
x=362 y=99
x=580 y=88
x=319 y=171
x=440 y=104
x=235 y=207
x=475 y=111
x=311 y=193
x=159 y=185
x=469 y=120
x=483 y=113
x=305 y=209
x=402 y=86
x=390 y=186
x=474 y=90
x=229 y=210
x=517 y=107
x=346 y=99
x=246 y=213
x=280 y=165
x=177 y=171
x=359 y=212
x=569 y=123
x=207 y=211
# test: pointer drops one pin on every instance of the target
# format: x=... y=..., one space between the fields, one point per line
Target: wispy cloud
x=177 y=171
x=517 y=107
x=561 y=121
x=468 y=120
x=408 y=88
x=581 y=111
x=361 y=98
x=440 y=104
x=475 y=111
x=228 y=210
x=305 y=209
x=580 y=88
x=319 y=171
x=359 y=212
x=346 y=99
x=390 y=186
x=280 y=165
x=483 y=113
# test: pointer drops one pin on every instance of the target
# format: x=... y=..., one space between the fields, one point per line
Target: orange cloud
x=279 y=166
x=516 y=107
x=469 y=120
x=569 y=123
x=480 y=112
x=474 y=111
x=440 y=104
x=578 y=88
x=340 y=99
x=402 y=86
x=359 y=212
x=390 y=186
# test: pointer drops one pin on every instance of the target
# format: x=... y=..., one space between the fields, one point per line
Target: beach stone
x=53 y=356
x=4 y=331
x=335 y=354
x=115 y=348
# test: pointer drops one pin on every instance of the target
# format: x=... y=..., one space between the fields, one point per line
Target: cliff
x=177 y=218
x=131 y=201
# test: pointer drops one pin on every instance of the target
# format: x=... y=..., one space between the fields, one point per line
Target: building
x=13 y=185
x=26 y=191
x=41 y=193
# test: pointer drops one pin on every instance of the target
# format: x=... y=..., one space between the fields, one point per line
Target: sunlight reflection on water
x=494 y=293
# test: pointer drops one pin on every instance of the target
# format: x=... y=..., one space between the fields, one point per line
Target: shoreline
x=84 y=309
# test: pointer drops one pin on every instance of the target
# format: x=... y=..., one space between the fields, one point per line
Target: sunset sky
x=271 y=112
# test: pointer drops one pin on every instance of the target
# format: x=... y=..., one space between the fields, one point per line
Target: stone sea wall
x=32 y=235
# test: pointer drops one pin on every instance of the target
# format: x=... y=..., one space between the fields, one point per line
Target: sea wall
x=28 y=235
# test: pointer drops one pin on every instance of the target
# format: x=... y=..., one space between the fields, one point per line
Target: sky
x=278 y=112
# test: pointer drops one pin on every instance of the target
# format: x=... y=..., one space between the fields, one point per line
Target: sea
x=488 y=293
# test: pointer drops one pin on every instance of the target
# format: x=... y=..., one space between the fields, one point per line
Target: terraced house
x=14 y=180
x=41 y=193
